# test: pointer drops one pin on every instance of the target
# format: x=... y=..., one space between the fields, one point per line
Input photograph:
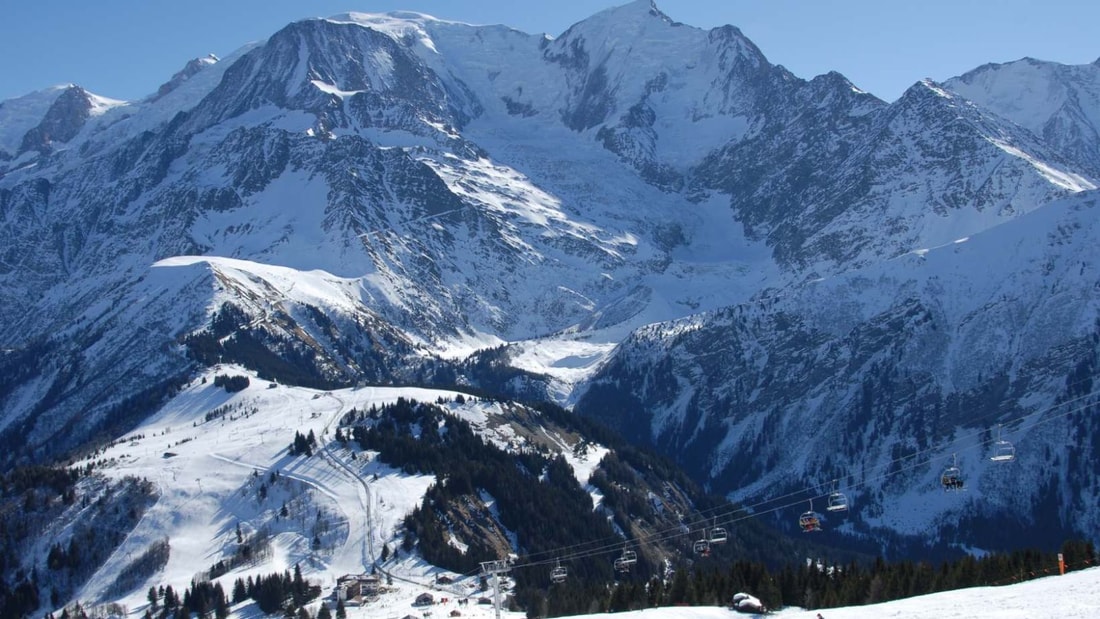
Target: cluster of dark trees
x=276 y=592
x=19 y=595
x=26 y=493
x=18 y=365
x=202 y=598
x=272 y=357
x=537 y=495
x=32 y=495
x=231 y=384
x=153 y=559
x=233 y=337
x=807 y=585
x=303 y=444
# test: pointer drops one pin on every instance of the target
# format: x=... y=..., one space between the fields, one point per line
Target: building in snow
x=356 y=588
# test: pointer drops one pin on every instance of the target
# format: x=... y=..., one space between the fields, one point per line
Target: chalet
x=424 y=599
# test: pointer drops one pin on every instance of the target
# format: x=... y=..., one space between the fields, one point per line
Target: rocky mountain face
x=369 y=198
x=1060 y=103
x=879 y=378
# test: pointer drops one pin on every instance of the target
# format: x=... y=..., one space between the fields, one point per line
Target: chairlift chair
x=718 y=535
x=951 y=478
x=838 y=502
x=701 y=546
x=1003 y=451
x=809 y=521
x=623 y=563
x=558 y=574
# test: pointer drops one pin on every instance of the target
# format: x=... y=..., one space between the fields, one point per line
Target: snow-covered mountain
x=878 y=377
x=1060 y=103
x=370 y=198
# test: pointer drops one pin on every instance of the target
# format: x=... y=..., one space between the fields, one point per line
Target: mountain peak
x=925 y=88
x=192 y=67
x=63 y=120
x=649 y=7
x=627 y=18
x=633 y=11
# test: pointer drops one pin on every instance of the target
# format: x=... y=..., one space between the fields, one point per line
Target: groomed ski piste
x=209 y=452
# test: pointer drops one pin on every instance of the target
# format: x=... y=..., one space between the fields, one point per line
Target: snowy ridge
x=1060 y=103
x=260 y=280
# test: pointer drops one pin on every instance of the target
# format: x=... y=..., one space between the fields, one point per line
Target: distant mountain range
x=784 y=284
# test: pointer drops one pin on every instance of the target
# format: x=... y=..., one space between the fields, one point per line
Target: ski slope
x=221 y=463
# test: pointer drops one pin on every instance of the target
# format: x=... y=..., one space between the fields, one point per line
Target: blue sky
x=126 y=48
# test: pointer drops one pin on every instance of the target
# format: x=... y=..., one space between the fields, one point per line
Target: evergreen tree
x=170 y=599
x=221 y=608
x=152 y=597
x=221 y=605
x=680 y=590
x=298 y=586
x=72 y=556
x=619 y=599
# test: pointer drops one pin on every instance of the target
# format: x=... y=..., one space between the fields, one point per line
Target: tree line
x=811 y=585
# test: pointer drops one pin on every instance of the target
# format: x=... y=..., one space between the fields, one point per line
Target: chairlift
x=1003 y=451
x=718 y=535
x=623 y=563
x=951 y=479
x=558 y=574
x=838 y=502
x=701 y=546
x=809 y=521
